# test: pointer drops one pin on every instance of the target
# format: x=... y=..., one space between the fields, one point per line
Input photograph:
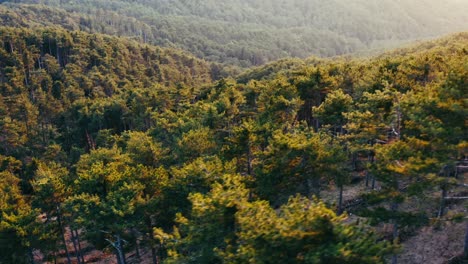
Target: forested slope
x=104 y=139
x=45 y=73
x=246 y=32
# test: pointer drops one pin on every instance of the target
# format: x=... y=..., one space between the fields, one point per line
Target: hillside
x=245 y=33
x=443 y=46
x=108 y=145
x=52 y=71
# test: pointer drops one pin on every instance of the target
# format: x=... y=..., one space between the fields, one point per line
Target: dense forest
x=115 y=145
x=138 y=131
x=242 y=33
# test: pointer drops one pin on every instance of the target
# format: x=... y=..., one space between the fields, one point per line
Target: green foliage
x=70 y=84
x=19 y=227
x=302 y=231
x=330 y=112
x=114 y=138
x=225 y=227
x=297 y=162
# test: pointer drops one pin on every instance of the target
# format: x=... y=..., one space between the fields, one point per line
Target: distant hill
x=251 y=32
x=445 y=46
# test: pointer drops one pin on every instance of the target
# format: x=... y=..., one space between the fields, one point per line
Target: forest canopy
x=106 y=140
x=242 y=131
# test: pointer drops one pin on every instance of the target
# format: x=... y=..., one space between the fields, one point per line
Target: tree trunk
x=316 y=187
x=340 y=200
x=31 y=255
x=394 y=208
x=137 y=248
x=77 y=253
x=371 y=159
x=395 y=235
x=466 y=243
x=313 y=187
x=57 y=54
x=77 y=236
x=59 y=219
x=50 y=47
x=161 y=253
x=154 y=255
x=367 y=179
x=117 y=256
x=249 y=161
x=354 y=158
x=442 y=202
x=120 y=250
